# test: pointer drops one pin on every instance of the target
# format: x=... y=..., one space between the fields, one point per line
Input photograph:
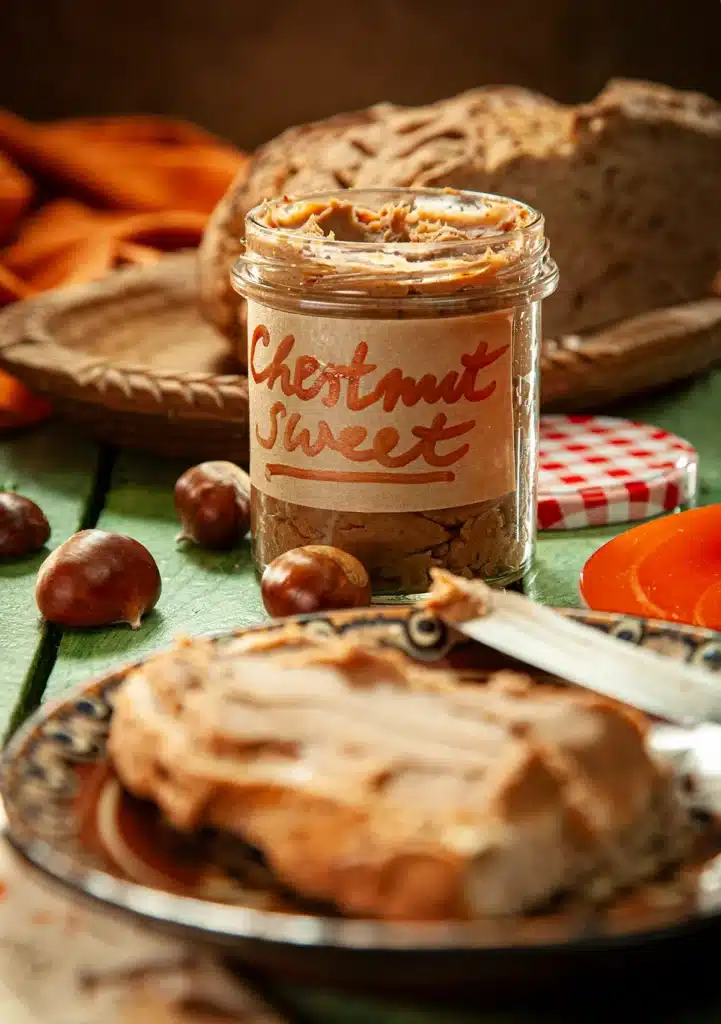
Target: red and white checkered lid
x=595 y=470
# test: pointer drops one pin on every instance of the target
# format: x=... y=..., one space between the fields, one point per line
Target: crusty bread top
x=408 y=146
x=653 y=102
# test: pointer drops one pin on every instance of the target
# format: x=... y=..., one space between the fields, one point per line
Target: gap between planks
x=36 y=678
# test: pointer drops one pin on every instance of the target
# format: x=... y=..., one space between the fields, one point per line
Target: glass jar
x=394 y=339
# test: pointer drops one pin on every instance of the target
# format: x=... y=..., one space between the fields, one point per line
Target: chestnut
x=314 y=578
x=23 y=526
x=213 y=504
x=95 y=579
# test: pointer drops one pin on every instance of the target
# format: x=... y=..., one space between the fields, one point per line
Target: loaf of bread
x=629 y=185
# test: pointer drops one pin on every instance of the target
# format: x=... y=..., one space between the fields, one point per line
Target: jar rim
x=284 y=265
x=384 y=195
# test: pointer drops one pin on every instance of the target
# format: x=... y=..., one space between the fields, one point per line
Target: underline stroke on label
x=354 y=477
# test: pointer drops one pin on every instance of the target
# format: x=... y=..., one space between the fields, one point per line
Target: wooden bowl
x=132 y=359
x=643 y=353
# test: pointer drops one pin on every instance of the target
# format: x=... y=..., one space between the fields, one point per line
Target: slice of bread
x=392 y=789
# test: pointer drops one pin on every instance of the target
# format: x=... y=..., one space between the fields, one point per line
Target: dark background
x=247 y=70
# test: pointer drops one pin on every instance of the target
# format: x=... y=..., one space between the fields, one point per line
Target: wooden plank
x=203 y=591
x=55 y=467
x=560 y=556
x=693 y=411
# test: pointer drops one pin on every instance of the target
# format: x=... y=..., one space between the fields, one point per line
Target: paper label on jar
x=380 y=415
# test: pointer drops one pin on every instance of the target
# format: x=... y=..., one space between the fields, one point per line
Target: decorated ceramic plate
x=71 y=819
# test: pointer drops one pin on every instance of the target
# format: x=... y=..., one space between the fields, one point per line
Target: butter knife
x=685 y=695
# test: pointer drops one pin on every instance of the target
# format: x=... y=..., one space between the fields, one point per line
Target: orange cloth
x=102 y=192
x=80 y=197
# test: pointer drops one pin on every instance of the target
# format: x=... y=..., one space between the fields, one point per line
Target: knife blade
x=644 y=679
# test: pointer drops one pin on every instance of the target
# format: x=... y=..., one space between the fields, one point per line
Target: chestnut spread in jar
x=393 y=342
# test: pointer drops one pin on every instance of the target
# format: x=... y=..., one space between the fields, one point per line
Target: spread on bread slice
x=392 y=789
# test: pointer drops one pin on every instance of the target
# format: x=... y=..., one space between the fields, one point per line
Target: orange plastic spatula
x=707 y=611
x=675 y=575
x=669 y=568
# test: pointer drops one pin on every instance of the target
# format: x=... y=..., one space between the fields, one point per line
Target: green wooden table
x=79 y=484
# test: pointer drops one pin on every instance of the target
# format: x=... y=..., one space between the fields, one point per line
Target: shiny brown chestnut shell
x=97 y=578
x=314 y=578
x=23 y=526
x=213 y=504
